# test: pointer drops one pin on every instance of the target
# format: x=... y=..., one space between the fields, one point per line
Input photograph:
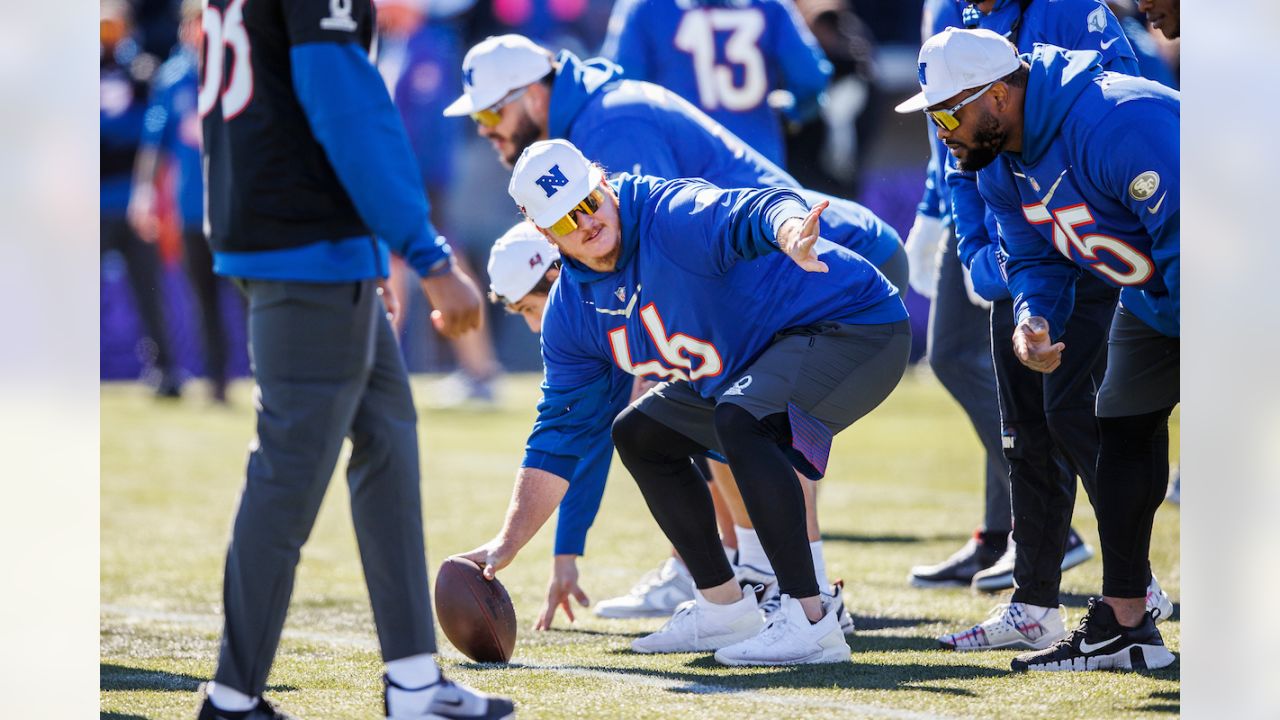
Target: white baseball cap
x=550 y=178
x=518 y=261
x=956 y=60
x=495 y=67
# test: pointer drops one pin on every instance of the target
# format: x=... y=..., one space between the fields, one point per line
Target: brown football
x=476 y=614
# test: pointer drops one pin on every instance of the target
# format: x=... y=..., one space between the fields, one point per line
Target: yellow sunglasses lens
x=944 y=120
x=569 y=222
x=487 y=118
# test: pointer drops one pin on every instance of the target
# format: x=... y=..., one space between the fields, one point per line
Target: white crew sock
x=414 y=673
x=750 y=551
x=732 y=608
x=819 y=566
x=230 y=699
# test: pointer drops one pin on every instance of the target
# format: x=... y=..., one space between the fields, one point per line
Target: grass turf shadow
x=122 y=677
x=889 y=539
x=120 y=716
x=1162 y=701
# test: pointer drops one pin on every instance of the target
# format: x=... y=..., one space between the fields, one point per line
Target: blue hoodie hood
x=576 y=82
x=631 y=196
x=1057 y=78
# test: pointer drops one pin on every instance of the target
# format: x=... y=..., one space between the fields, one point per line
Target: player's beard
x=525 y=134
x=988 y=140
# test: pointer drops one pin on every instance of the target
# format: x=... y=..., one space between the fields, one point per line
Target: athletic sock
x=230 y=699
x=410 y=693
x=750 y=551
x=819 y=566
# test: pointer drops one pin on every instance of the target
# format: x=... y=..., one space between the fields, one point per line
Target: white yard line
x=792 y=702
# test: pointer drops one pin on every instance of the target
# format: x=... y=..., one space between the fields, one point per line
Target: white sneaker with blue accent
x=657 y=594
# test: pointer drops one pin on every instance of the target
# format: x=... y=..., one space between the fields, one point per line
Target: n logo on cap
x=468 y=77
x=553 y=180
x=923 y=82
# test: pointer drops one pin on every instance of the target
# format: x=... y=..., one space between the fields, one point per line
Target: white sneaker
x=834 y=595
x=700 y=625
x=657 y=594
x=765 y=583
x=790 y=639
x=1158 y=602
x=1015 y=626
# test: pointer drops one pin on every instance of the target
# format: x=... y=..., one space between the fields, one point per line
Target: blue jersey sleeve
x=707 y=229
x=1041 y=280
x=581 y=502
x=158 y=122
x=1155 y=149
x=977 y=241
x=625 y=41
x=1090 y=25
x=351 y=116
x=805 y=68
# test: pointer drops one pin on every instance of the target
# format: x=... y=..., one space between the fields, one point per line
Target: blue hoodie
x=643 y=129
x=699 y=292
x=725 y=56
x=952 y=193
x=1096 y=185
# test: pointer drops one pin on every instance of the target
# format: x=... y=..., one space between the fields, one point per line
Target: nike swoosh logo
x=626 y=312
x=1107 y=44
x=1156 y=208
x=1088 y=647
x=1053 y=189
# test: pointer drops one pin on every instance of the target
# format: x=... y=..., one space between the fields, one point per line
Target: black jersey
x=270 y=184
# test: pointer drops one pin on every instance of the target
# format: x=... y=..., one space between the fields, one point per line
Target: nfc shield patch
x=552 y=181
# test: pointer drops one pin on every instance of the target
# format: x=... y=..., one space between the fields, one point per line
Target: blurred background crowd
x=166 y=320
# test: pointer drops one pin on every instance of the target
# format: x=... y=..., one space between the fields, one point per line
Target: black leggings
x=677 y=496
x=1133 y=473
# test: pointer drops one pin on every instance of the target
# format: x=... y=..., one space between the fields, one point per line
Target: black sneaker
x=452 y=700
x=1101 y=643
x=264 y=710
x=959 y=569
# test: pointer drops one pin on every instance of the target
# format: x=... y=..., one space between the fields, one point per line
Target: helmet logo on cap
x=535 y=261
x=552 y=181
x=922 y=80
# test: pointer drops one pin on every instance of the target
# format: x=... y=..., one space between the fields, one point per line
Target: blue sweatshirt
x=172 y=127
x=1096 y=185
x=699 y=293
x=725 y=56
x=643 y=129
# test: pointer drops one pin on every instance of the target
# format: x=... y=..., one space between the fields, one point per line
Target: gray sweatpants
x=960 y=355
x=327 y=367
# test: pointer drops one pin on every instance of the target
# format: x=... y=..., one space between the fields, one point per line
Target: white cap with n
x=518 y=261
x=550 y=178
x=955 y=60
x=495 y=67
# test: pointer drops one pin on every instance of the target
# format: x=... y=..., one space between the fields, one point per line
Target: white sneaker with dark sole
x=700 y=625
x=790 y=639
x=1011 y=626
x=1158 y=602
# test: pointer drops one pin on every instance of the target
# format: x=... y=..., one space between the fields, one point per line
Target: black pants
x=209 y=289
x=1050 y=434
x=143 y=264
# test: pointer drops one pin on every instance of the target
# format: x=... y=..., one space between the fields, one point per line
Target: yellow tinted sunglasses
x=492 y=115
x=946 y=118
x=569 y=222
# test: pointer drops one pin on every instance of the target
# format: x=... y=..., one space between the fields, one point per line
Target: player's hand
x=141 y=215
x=389 y=301
x=491 y=557
x=924 y=254
x=640 y=386
x=798 y=238
x=563 y=585
x=1032 y=345
x=455 y=303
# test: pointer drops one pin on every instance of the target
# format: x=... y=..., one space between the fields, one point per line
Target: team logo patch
x=535 y=261
x=1098 y=20
x=743 y=383
x=339 y=17
x=552 y=181
x=921 y=72
x=1144 y=186
x=621 y=294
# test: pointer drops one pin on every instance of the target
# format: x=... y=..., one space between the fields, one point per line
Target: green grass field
x=904 y=489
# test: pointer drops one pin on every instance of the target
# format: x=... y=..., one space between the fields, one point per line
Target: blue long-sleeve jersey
x=643 y=129
x=307 y=158
x=699 y=292
x=1096 y=185
x=172 y=126
x=725 y=57
x=1073 y=24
